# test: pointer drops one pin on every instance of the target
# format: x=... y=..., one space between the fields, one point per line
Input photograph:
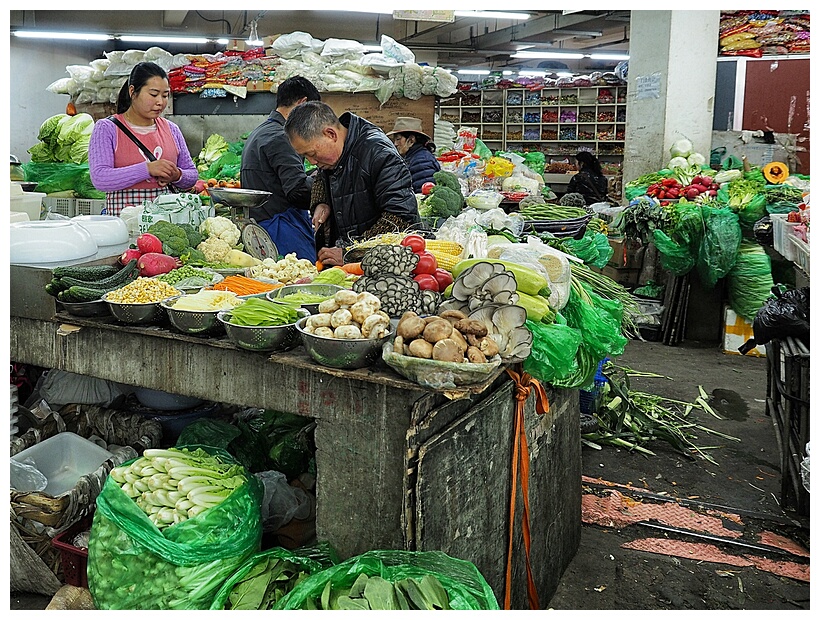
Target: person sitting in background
x=416 y=148
x=118 y=166
x=366 y=186
x=589 y=181
x=269 y=163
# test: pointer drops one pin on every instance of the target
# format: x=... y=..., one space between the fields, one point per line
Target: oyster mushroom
x=519 y=345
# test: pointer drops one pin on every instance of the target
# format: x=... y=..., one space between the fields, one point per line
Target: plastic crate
x=86 y=206
x=61 y=206
x=801 y=253
x=781 y=231
x=73 y=560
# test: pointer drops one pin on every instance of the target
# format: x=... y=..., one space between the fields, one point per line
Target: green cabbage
x=49 y=128
x=215 y=145
x=73 y=127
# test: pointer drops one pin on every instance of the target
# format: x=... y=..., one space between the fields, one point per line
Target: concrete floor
x=747 y=478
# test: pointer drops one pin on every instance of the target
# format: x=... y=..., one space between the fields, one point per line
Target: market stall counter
x=398 y=466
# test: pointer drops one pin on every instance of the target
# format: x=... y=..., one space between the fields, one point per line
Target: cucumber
x=120 y=278
x=80 y=294
x=89 y=273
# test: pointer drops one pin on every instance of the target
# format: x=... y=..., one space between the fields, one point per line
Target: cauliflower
x=215 y=249
x=221 y=228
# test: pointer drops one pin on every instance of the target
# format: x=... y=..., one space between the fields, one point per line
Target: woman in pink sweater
x=118 y=166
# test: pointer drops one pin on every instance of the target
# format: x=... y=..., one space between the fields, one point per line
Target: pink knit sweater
x=107 y=178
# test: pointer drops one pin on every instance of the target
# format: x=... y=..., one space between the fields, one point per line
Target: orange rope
x=524 y=384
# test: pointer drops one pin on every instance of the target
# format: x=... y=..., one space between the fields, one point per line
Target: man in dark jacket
x=368 y=185
x=269 y=163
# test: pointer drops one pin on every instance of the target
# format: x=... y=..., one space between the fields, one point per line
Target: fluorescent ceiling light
x=37 y=34
x=507 y=72
x=150 y=38
x=222 y=41
x=609 y=56
x=493 y=15
x=474 y=72
x=580 y=33
x=567 y=55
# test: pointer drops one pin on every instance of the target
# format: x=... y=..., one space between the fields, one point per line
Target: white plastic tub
x=63 y=459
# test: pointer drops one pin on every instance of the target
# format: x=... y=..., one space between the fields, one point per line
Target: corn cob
x=445 y=260
x=448 y=247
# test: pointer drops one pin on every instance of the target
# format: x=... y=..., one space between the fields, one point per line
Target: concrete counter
x=398 y=466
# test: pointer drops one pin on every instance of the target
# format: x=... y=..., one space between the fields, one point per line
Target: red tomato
x=443 y=277
x=415 y=243
x=427 y=263
x=426 y=188
x=427 y=282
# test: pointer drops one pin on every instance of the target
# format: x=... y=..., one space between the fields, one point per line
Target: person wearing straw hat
x=416 y=148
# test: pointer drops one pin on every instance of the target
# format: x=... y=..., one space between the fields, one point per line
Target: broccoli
x=445 y=202
x=194 y=236
x=173 y=237
x=192 y=256
x=447 y=179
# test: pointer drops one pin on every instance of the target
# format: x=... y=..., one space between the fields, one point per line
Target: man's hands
x=164 y=171
x=333 y=257
x=320 y=215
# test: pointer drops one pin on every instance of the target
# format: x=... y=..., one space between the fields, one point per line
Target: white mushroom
x=324 y=332
x=365 y=308
x=346 y=297
x=366 y=296
x=372 y=324
x=329 y=306
x=318 y=320
x=341 y=317
x=347 y=332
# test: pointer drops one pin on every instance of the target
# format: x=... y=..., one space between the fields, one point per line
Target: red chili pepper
x=669 y=182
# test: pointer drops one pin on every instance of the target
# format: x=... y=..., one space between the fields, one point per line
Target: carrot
x=354 y=269
x=242 y=285
x=319 y=265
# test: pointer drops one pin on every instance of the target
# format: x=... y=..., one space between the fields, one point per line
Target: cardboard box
x=625 y=276
x=255 y=86
x=626 y=253
x=736 y=331
x=236 y=45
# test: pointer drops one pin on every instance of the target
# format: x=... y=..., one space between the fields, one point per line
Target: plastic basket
x=86 y=206
x=800 y=249
x=73 y=560
x=781 y=232
x=61 y=206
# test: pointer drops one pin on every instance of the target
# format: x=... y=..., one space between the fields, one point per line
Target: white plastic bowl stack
x=14 y=418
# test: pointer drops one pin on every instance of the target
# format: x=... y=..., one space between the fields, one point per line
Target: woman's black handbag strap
x=141 y=146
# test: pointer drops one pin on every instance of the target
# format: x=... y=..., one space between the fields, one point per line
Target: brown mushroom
x=436 y=330
x=420 y=348
x=410 y=326
x=475 y=355
x=447 y=351
x=454 y=316
x=430 y=319
x=462 y=344
x=398 y=345
x=471 y=326
x=473 y=340
x=488 y=347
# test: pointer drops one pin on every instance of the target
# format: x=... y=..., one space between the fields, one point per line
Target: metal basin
x=266 y=339
x=191 y=321
x=237 y=197
x=326 y=290
x=86 y=308
x=340 y=353
x=136 y=314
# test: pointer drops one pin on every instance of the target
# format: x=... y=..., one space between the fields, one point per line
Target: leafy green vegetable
x=258 y=312
x=214 y=146
x=173 y=237
x=445 y=202
x=447 y=179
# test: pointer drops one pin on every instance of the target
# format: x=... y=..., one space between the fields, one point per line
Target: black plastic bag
x=764 y=231
x=784 y=315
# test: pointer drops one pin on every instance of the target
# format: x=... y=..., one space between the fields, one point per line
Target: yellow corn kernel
x=440 y=245
x=445 y=260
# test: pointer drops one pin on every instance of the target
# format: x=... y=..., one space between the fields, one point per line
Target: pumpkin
x=776 y=172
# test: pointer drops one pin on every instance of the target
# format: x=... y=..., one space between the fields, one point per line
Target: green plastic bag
x=535 y=161
x=752 y=211
x=718 y=250
x=593 y=248
x=307 y=561
x=634 y=192
x=482 y=150
x=675 y=257
x=465 y=585
x=554 y=347
x=134 y=565
x=583 y=378
x=62 y=177
x=750 y=281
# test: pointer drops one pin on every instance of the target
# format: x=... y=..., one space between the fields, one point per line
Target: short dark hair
x=307 y=120
x=590 y=161
x=295 y=88
x=140 y=74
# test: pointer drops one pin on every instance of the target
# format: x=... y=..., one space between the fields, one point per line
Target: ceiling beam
x=530 y=28
x=173 y=19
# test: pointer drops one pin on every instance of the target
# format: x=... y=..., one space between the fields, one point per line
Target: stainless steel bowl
x=86 y=308
x=191 y=321
x=327 y=290
x=266 y=339
x=136 y=314
x=237 y=197
x=339 y=353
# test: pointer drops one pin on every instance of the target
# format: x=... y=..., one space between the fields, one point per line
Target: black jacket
x=592 y=188
x=269 y=163
x=422 y=164
x=369 y=179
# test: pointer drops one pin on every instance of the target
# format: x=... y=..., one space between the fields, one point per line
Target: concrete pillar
x=671 y=86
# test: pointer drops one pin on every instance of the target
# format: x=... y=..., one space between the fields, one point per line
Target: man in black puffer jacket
x=367 y=183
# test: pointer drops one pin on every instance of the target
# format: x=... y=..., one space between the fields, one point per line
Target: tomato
x=427 y=188
x=415 y=243
x=427 y=282
x=443 y=277
x=427 y=263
